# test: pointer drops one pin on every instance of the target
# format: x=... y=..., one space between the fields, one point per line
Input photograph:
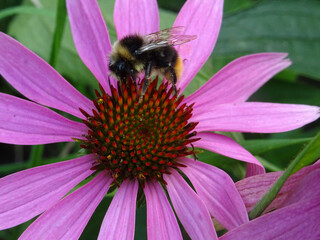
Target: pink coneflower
x=293 y=214
x=135 y=144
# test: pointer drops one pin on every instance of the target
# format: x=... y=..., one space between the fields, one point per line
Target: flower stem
x=309 y=153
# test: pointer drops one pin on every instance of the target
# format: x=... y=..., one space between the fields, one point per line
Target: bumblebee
x=151 y=54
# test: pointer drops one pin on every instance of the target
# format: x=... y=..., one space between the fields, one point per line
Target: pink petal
x=119 y=222
x=237 y=81
x=68 y=218
x=253 y=117
x=306 y=188
x=252 y=189
x=201 y=18
x=24 y=122
x=136 y=17
x=218 y=192
x=91 y=37
x=37 y=80
x=295 y=222
x=227 y=147
x=189 y=208
x=253 y=169
x=161 y=221
x=28 y=193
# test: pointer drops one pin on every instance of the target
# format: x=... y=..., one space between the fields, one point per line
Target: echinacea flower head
x=132 y=143
x=139 y=139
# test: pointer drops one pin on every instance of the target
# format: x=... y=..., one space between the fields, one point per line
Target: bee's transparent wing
x=165 y=37
x=164 y=34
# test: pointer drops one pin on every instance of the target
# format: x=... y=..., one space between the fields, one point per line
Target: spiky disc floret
x=135 y=138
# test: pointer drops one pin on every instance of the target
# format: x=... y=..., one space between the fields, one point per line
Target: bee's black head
x=122 y=69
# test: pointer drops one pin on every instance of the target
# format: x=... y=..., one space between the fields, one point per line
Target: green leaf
x=262 y=146
x=25 y=10
x=275 y=26
x=58 y=32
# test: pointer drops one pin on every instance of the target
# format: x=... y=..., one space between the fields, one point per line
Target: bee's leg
x=146 y=80
x=173 y=79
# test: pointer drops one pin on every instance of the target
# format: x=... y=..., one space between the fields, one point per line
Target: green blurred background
x=248 y=26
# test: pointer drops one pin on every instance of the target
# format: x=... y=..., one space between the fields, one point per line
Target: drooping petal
x=189 y=208
x=91 y=37
x=144 y=19
x=219 y=193
x=119 y=222
x=226 y=146
x=253 y=117
x=201 y=18
x=37 y=80
x=161 y=221
x=68 y=218
x=254 y=169
x=306 y=188
x=295 y=222
x=237 y=81
x=252 y=189
x=24 y=122
x=26 y=194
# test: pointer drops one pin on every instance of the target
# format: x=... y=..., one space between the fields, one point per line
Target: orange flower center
x=135 y=138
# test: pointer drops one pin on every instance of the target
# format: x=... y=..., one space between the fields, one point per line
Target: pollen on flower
x=138 y=139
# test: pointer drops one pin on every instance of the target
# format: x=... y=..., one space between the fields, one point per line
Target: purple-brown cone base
x=138 y=139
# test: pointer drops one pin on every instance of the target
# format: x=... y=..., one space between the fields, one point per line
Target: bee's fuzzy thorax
x=120 y=51
x=123 y=51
